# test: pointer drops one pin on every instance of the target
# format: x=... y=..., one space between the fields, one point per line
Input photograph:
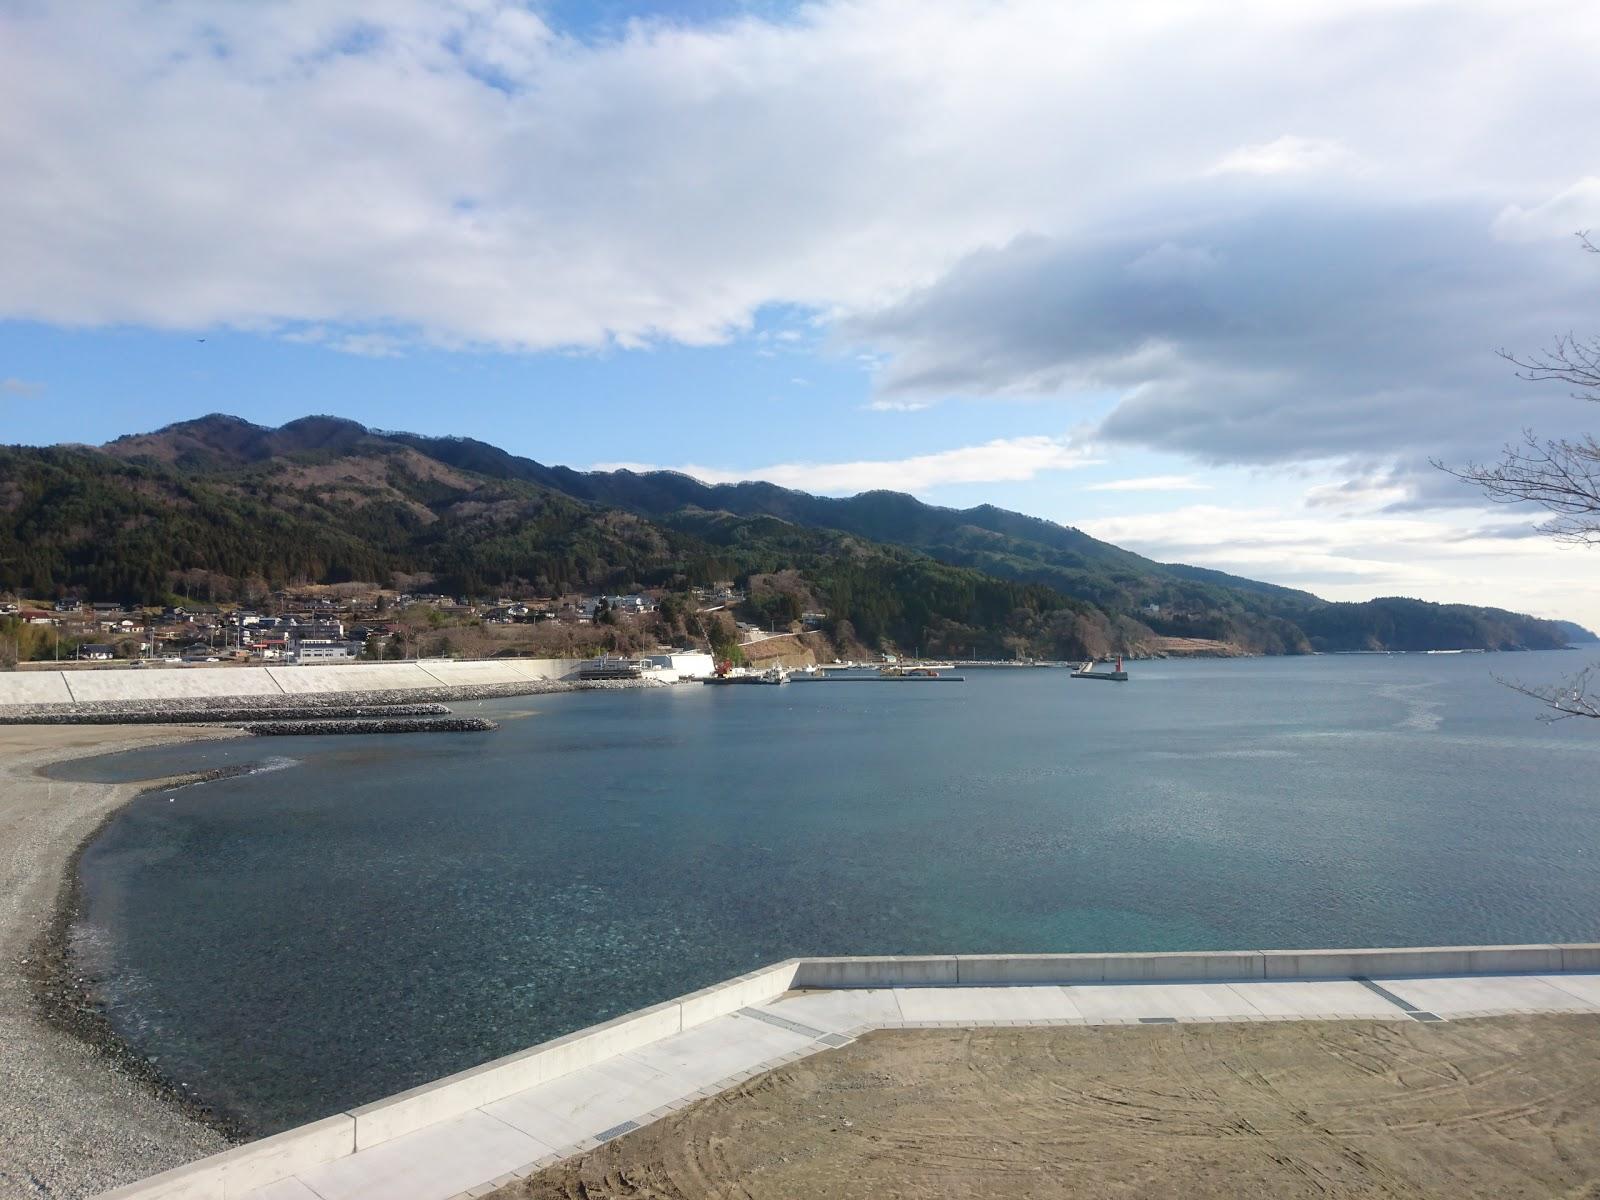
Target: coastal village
x=773 y=622
x=355 y=622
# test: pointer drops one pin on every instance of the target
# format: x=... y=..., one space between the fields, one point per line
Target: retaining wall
x=238 y=1171
x=502 y=670
x=171 y=683
x=34 y=687
x=217 y=682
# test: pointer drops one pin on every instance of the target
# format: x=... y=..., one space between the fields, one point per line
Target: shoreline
x=63 y=998
x=80 y=1110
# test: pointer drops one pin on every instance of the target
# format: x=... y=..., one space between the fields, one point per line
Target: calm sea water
x=375 y=913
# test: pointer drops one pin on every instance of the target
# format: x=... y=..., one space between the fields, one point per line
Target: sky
x=1215 y=282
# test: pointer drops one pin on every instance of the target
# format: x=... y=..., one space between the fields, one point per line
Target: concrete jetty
x=494 y=1123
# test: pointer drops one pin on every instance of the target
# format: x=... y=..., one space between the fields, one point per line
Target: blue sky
x=1212 y=285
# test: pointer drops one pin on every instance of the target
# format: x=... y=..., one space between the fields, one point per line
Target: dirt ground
x=1496 y=1107
x=1180 y=647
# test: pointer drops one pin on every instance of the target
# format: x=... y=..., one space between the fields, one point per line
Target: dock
x=1087 y=671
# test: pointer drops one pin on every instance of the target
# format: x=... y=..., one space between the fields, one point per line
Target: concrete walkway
x=528 y=1130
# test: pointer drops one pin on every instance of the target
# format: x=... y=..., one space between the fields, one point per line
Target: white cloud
x=1287 y=155
x=363 y=345
x=1271 y=333
x=1002 y=460
x=369 y=345
x=897 y=404
x=1170 y=262
x=1371 y=553
x=458 y=171
x=1152 y=483
x=1573 y=209
x=1363 y=491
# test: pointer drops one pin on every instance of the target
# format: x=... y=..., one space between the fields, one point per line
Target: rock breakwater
x=224 y=715
x=382 y=725
x=315 y=706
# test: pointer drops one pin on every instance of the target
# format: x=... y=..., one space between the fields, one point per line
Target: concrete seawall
x=242 y=1170
x=156 y=684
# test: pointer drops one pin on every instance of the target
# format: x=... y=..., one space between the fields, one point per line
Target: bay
x=365 y=915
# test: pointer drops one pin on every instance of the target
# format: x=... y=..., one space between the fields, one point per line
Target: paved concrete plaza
x=530 y=1129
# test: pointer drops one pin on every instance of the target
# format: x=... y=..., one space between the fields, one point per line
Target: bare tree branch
x=1562 y=477
x=1570 y=360
x=1569 y=698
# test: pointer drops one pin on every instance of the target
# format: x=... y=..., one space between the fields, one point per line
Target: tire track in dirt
x=1398 y=1110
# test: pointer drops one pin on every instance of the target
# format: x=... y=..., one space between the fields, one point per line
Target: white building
x=323 y=651
x=681 y=664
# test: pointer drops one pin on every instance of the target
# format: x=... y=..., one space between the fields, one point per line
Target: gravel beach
x=73 y=1120
x=76 y=1115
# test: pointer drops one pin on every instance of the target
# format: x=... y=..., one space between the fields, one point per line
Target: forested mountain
x=326 y=500
x=1576 y=634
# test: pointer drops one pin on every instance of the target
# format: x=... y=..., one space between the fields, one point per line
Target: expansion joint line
x=1404 y=1005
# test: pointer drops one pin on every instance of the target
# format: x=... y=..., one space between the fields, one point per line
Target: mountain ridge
x=326 y=497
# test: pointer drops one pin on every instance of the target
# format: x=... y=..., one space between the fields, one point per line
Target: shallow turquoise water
x=377 y=913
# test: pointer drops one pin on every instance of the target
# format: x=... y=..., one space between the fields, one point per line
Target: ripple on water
x=297 y=941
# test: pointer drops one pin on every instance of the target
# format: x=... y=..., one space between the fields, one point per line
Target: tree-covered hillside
x=79 y=520
x=326 y=500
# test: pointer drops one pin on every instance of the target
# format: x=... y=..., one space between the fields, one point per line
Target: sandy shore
x=1490 y=1108
x=73 y=1120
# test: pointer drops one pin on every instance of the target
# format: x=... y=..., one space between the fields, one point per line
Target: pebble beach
x=75 y=1117
x=80 y=1114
